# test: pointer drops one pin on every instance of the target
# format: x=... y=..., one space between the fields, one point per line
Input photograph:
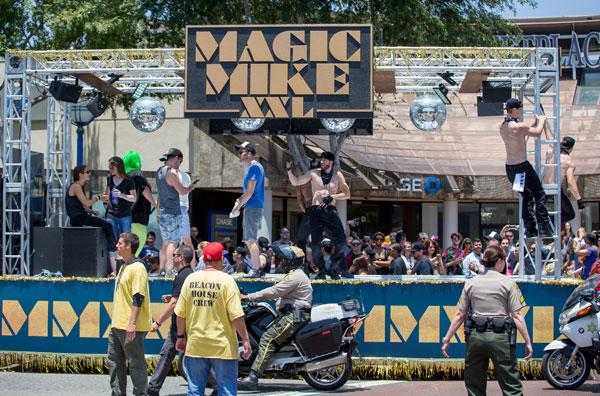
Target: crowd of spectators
x=128 y=201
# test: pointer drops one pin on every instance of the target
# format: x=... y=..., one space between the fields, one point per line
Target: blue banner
x=406 y=319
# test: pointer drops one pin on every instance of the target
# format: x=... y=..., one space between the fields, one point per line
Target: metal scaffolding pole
x=546 y=152
x=58 y=161
x=16 y=175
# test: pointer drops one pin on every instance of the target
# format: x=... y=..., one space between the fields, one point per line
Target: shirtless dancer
x=325 y=184
x=567 y=170
x=514 y=135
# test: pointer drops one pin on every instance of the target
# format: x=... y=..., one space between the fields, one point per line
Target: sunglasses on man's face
x=378 y=239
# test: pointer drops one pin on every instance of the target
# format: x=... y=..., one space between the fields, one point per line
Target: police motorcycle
x=567 y=361
x=320 y=351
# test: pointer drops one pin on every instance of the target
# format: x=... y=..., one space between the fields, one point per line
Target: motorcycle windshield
x=584 y=288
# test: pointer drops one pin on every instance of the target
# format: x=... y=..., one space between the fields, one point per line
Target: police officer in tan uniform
x=294 y=294
x=491 y=303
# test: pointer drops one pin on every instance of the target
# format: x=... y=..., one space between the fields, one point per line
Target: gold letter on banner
x=338 y=46
x=14 y=317
x=460 y=333
x=64 y=318
x=543 y=324
x=524 y=312
x=108 y=308
x=429 y=325
x=89 y=321
x=375 y=325
x=38 y=320
x=403 y=323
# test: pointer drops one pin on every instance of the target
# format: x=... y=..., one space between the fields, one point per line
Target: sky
x=556 y=8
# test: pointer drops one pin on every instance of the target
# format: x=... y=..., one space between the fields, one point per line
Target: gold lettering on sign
x=374 y=331
x=286 y=65
x=338 y=45
x=543 y=324
x=256 y=49
x=285 y=51
x=460 y=333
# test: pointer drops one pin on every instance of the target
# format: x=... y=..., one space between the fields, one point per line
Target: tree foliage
x=64 y=24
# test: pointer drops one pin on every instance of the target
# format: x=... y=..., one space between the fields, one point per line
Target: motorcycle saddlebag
x=320 y=338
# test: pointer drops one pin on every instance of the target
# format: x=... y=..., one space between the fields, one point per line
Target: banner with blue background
x=406 y=319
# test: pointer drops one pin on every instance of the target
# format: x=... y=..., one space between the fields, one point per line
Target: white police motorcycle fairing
x=567 y=361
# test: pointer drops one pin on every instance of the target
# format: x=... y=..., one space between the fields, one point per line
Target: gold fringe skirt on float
x=363 y=369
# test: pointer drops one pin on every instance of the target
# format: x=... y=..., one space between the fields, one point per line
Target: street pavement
x=28 y=384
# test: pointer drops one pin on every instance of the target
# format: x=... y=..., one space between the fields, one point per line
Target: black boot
x=546 y=230
x=250 y=382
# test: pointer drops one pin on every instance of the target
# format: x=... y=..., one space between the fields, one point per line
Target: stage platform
x=69 y=318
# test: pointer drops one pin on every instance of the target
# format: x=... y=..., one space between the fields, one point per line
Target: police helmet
x=291 y=257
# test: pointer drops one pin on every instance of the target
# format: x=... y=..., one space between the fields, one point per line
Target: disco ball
x=337 y=125
x=427 y=112
x=248 y=124
x=147 y=114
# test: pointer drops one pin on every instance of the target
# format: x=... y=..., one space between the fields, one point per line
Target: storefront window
x=494 y=216
x=588 y=91
x=468 y=219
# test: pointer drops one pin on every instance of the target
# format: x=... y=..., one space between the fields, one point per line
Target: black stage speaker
x=84 y=252
x=47 y=250
x=65 y=92
x=74 y=251
x=495 y=94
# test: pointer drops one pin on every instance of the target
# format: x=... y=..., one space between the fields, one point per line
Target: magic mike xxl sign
x=278 y=71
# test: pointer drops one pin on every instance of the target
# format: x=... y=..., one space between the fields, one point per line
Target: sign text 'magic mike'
x=278 y=71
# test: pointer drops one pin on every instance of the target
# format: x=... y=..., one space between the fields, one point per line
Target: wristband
x=157 y=322
x=288 y=169
x=327 y=200
x=580 y=203
x=180 y=336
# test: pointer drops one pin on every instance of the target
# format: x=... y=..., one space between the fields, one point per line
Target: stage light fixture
x=65 y=92
x=447 y=76
x=248 y=124
x=442 y=92
x=337 y=125
x=97 y=105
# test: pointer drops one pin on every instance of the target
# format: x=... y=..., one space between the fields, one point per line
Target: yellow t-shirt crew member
x=209 y=312
x=130 y=320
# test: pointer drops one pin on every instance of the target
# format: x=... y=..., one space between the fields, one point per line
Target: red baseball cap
x=213 y=251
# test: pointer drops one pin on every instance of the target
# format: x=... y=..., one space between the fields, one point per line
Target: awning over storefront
x=466 y=145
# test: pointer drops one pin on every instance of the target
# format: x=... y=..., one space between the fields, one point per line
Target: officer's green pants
x=279 y=332
x=481 y=347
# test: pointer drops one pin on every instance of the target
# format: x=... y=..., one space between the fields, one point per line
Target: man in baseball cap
x=209 y=313
x=252 y=200
x=514 y=133
x=246 y=146
x=172 y=152
x=170 y=188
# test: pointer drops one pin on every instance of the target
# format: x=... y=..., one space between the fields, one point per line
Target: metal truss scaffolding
x=58 y=161
x=530 y=70
x=534 y=76
x=15 y=178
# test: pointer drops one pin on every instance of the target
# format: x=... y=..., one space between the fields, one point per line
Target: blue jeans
x=198 y=369
x=119 y=225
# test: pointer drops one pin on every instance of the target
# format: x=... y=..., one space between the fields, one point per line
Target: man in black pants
x=514 y=134
x=325 y=183
x=567 y=171
x=182 y=258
